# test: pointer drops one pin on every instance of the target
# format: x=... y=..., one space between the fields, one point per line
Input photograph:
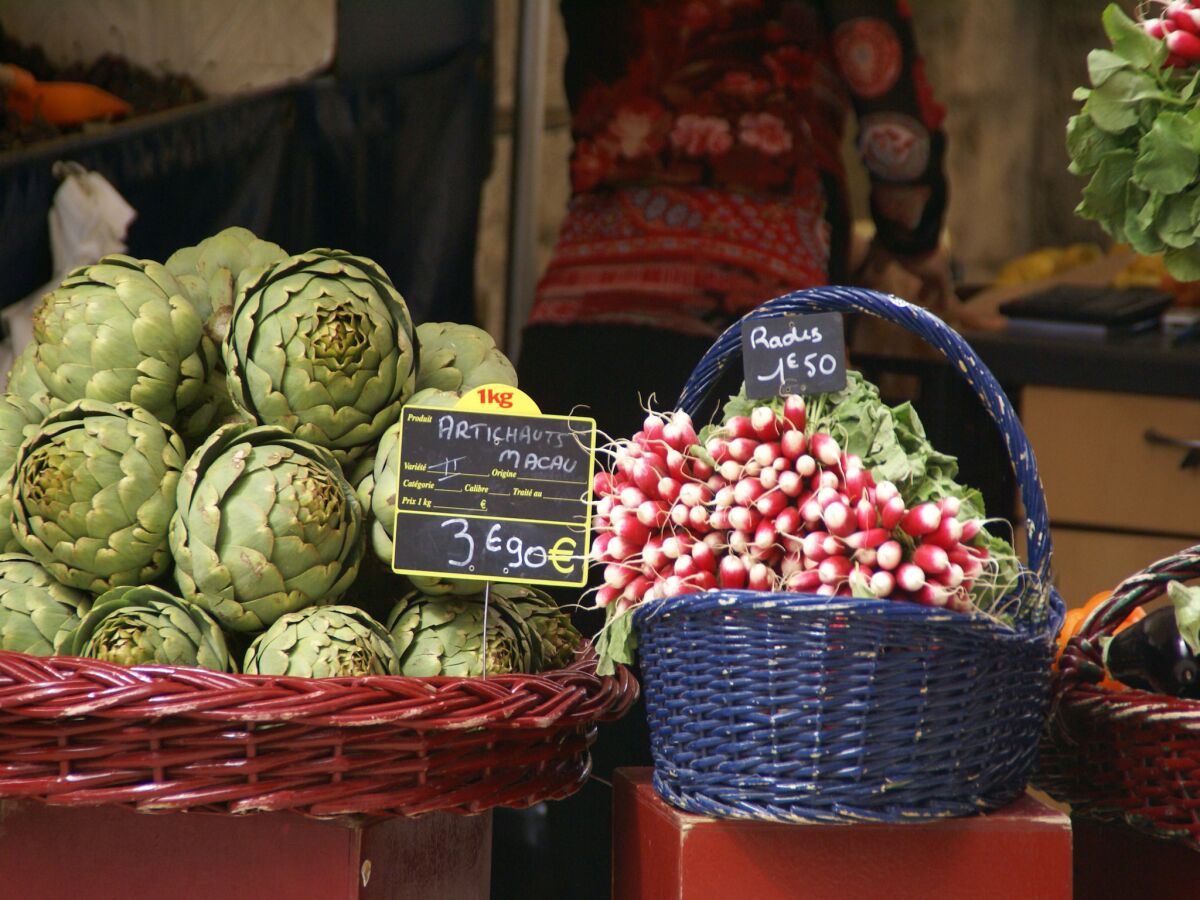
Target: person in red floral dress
x=706 y=178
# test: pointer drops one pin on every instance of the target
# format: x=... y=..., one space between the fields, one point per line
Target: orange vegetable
x=1074 y=621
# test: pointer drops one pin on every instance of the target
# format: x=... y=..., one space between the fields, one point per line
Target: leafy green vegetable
x=1187 y=613
x=1138 y=139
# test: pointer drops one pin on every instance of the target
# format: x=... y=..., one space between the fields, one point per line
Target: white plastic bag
x=88 y=219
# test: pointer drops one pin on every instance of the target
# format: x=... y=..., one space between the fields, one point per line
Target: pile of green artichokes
x=197 y=459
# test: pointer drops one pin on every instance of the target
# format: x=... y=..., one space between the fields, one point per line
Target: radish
x=869 y=539
x=794 y=411
x=865 y=514
x=1154 y=28
x=803 y=582
x=888 y=555
x=856 y=483
x=866 y=557
x=604 y=506
x=891 y=513
x=833 y=546
x=704 y=581
x=600 y=545
x=810 y=511
x=792 y=443
x=724 y=497
x=764 y=536
x=678 y=432
x=739 y=541
x=731 y=573
x=948 y=534
x=739 y=427
x=909 y=577
x=685 y=566
x=838 y=520
x=751 y=470
x=652 y=554
x=759 y=578
x=770 y=477
x=744 y=518
x=631 y=530
x=679 y=515
x=631 y=497
x=1184 y=44
x=790 y=484
x=782 y=464
x=718 y=449
x=606 y=595
x=677 y=545
x=718 y=519
x=814 y=545
x=949 y=506
x=791 y=564
x=931 y=595
x=828 y=480
x=730 y=470
x=766 y=453
x=772 y=503
x=834 y=569
x=698 y=519
x=885 y=491
x=652 y=426
x=788 y=521
x=954 y=576
x=765 y=423
x=931 y=559
x=970 y=529
x=882 y=584
x=921 y=520
x=805 y=465
x=826 y=496
x=602 y=484
x=825 y=448
x=676 y=462
x=703 y=556
x=646 y=477
x=618 y=575
x=700 y=469
x=693 y=494
x=742 y=449
x=637 y=588
x=826 y=590
x=621 y=549
x=668 y=489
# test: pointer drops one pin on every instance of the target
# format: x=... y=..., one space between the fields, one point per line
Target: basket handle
x=1083 y=658
x=726 y=351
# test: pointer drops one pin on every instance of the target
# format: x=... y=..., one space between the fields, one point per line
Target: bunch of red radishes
x=765 y=507
x=1179 y=26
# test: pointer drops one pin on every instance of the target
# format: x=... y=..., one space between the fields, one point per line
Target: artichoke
x=559 y=639
x=323 y=642
x=18 y=419
x=93 y=491
x=322 y=345
x=266 y=525
x=444 y=636
x=37 y=614
x=460 y=357
x=138 y=625
x=214 y=270
x=122 y=330
x=24 y=382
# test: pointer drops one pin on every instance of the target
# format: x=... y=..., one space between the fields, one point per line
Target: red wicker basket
x=164 y=739
x=1130 y=757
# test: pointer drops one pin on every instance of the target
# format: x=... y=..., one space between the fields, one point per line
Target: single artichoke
x=214 y=270
x=37 y=614
x=460 y=357
x=18 y=419
x=266 y=525
x=444 y=636
x=322 y=345
x=139 y=625
x=323 y=642
x=559 y=639
x=24 y=382
x=122 y=330
x=93 y=491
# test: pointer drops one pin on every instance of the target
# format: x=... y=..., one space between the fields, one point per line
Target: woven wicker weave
x=1130 y=757
x=799 y=708
x=162 y=738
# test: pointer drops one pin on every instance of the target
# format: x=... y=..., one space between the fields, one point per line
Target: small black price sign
x=496 y=496
x=794 y=355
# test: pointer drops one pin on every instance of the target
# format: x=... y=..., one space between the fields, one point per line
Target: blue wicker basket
x=802 y=708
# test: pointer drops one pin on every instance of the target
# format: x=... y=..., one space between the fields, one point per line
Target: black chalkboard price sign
x=494 y=490
x=794 y=355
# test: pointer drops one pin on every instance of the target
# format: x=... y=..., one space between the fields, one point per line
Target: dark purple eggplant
x=1153 y=654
